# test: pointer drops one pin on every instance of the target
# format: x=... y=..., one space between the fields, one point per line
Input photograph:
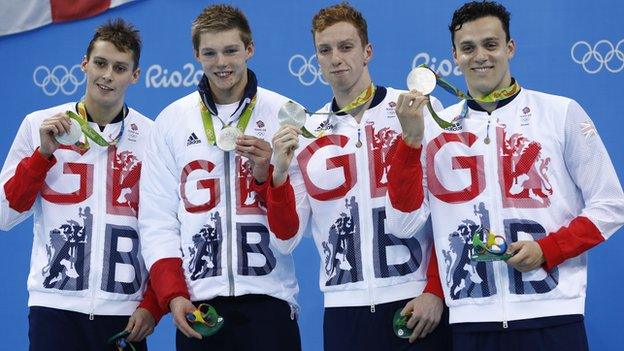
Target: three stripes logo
x=192 y=139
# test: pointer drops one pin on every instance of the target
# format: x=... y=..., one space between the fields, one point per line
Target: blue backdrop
x=569 y=48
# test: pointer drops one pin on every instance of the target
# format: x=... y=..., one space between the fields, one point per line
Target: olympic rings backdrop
x=563 y=47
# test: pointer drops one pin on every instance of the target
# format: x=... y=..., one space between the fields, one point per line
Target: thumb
x=407 y=310
x=130 y=325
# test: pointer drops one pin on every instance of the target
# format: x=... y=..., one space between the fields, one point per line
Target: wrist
x=279 y=177
x=413 y=141
x=45 y=153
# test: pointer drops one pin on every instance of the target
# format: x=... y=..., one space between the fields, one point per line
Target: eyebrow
x=116 y=62
x=233 y=46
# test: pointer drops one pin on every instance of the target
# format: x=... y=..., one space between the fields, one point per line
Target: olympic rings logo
x=602 y=54
x=305 y=70
x=59 y=78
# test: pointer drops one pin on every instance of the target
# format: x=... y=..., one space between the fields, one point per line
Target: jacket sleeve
x=288 y=210
x=592 y=171
x=407 y=203
x=150 y=303
x=407 y=208
x=159 y=227
x=22 y=177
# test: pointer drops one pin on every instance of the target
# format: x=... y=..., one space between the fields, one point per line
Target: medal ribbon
x=494 y=96
x=364 y=97
x=243 y=121
x=89 y=132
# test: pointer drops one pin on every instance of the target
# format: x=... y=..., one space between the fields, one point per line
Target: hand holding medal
x=424 y=80
x=295 y=115
x=488 y=247
x=205 y=320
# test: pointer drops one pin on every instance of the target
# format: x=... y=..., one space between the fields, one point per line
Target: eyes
x=230 y=51
x=342 y=47
x=103 y=64
x=489 y=45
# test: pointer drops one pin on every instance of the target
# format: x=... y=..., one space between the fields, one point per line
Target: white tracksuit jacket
x=86 y=253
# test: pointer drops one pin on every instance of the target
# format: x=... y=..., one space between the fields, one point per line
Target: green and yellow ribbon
x=88 y=131
x=496 y=95
x=243 y=121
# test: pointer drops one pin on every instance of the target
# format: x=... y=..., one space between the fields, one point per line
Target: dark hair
x=475 y=10
x=218 y=18
x=342 y=12
x=123 y=35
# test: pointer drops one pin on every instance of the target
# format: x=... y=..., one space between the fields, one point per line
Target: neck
x=346 y=96
x=232 y=95
x=490 y=106
x=100 y=114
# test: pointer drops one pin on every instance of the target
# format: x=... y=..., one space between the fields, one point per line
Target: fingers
x=143 y=332
x=179 y=318
x=418 y=330
x=253 y=148
x=286 y=131
x=412 y=101
x=131 y=328
x=140 y=325
x=527 y=256
x=287 y=138
x=57 y=124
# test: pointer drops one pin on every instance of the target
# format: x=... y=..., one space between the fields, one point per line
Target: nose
x=481 y=55
x=221 y=60
x=108 y=73
x=336 y=58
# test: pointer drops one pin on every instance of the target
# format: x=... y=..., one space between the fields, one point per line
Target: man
x=86 y=275
x=366 y=274
x=205 y=239
x=528 y=168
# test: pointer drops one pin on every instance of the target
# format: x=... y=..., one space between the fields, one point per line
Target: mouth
x=223 y=74
x=339 y=72
x=104 y=87
x=482 y=69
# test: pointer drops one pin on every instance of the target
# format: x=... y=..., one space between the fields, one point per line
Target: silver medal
x=292 y=114
x=71 y=138
x=421 y=79
x=226 y=140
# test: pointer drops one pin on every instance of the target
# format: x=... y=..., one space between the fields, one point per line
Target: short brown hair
x=219 y=18
x=342 y=12
x=120 y=33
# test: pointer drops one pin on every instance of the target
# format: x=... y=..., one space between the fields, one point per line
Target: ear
x=455 y=56
x=83 y=64
x=135 y=75
x=368 y=53
x=511 y=48
x=250 y=49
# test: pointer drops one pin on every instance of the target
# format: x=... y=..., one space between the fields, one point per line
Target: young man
x=207 y=239
x=86 y=275
x=529 y=168
x=366 y=273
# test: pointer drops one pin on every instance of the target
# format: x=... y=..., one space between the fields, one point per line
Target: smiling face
x=109 y=73
x=223 y=57
x=343 y=58
x=482 y=54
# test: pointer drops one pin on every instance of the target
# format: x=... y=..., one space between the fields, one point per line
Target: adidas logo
x=192 y=139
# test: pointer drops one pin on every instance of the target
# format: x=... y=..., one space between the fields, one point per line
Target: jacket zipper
x=499 y=267
x=95 y=239
x=367 y=246
x=230 y=234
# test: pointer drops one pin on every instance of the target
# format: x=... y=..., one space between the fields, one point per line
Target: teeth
x=103 y=87
x=222 y=74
